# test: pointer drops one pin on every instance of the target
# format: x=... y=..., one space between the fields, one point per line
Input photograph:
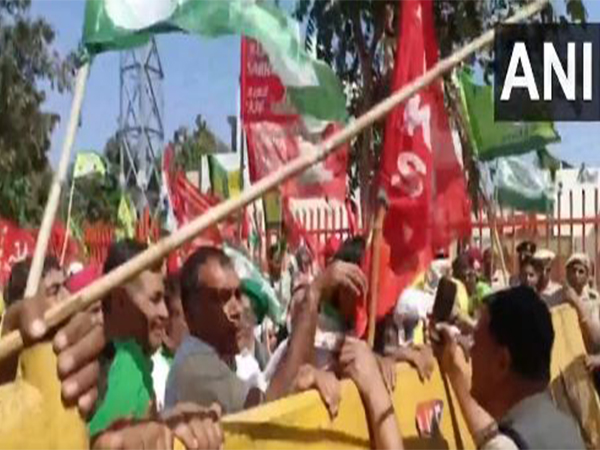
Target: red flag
x=420 y=171
x=406 y=165
x=296 y=233
x=186 y=200
x=16 y=244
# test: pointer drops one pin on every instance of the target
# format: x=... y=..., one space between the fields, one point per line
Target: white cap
x=544 y=254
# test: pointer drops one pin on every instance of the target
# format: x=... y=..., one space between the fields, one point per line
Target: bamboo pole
x=60 y=176
x=96 y=291
x=375 y=264
x=63 y=252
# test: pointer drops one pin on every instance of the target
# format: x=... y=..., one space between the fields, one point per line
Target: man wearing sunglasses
x=204 y=370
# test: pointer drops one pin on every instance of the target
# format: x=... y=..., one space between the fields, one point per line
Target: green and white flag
x=520 y=182
x=260 y=289
x=491 y=139
x=311 y=85
x=88 y=163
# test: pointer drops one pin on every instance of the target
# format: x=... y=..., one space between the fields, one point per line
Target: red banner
x=16 y=244
x=276 y=134
x=263 y=94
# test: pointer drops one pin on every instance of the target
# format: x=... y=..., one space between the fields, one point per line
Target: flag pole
x=97 y=290
x=382 y=206
x=60 y=176
x=63 y=252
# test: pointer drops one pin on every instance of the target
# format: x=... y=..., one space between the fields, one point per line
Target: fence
x=572 y=227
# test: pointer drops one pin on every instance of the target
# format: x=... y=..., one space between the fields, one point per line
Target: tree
x=357 y=39
x=192 y=146
x=27 y=64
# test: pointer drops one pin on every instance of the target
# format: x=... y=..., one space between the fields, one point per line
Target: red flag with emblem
x=419 y=172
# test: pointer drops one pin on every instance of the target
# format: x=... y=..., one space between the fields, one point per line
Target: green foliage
x=357 y=39
x=28 y=66
x=96 y=199
x=192 y=146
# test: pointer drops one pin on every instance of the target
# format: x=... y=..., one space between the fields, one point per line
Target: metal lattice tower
x=141 y=130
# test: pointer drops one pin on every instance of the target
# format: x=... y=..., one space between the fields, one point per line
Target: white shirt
x=248 y=370
x=160 y=373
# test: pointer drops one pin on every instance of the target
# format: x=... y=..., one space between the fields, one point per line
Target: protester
x=53 y=279
x=466 y=269
x=586 y=302
x=529 y=272
x=508 y=404
x=305 y=272
x=493 y=274
x=53 y=287
x=252 y=358
x=549 y=291
x=525 y=251
x=76 y=344
x=204 y=368
x=177 y=327
x=359 y=363
x=135 y=317
x=279 y=273
x=390 y=342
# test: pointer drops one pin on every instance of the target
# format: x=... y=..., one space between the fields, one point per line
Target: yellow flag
x=88 y=163
x=126 y=218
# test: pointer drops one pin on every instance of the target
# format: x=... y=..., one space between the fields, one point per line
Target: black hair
x=352 y=250
x=521 y=322
x=119 y=253
x=460 y=265
x=122 y=251
x=526 y=247
x=189 y=281
x=172 y=286
x=276 y=250
x=15 y=288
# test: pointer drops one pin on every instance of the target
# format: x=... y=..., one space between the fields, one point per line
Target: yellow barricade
x=32 y=416
x=302 y=421
x=572 y=387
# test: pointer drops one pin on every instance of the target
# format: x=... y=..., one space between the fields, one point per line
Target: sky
x=201 y=77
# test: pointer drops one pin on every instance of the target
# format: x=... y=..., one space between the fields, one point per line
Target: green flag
x=88 y=163
x=311 y=85
x=493 y=139
x=254 y=284
x=522 y=183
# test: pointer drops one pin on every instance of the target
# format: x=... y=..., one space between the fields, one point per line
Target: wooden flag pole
x=96 y=291
x=63 y=252
x=60 y=176
x=382 y=206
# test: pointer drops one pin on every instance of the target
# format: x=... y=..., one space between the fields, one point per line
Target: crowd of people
x=167 y=354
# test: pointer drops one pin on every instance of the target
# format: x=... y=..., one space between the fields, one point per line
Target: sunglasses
x=222 y=295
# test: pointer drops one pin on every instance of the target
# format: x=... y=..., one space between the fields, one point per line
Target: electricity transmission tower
x=141 y=128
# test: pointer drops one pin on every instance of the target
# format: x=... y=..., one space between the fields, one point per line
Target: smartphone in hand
x=443 y=304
